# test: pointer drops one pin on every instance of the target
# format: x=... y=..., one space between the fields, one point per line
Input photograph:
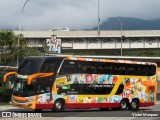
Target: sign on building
x=54 y=45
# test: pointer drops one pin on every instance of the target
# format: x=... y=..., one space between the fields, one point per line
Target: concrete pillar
x=144 y=42
x=158 y=42
x=129 y=39
x=115 y=43
x=53 y=37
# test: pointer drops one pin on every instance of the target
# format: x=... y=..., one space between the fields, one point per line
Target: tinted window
x=72 y=67
x=21 y=88
x=133 y=70
x=88 y=89
x=43 y=87
x=30 y=66
x=48 y=67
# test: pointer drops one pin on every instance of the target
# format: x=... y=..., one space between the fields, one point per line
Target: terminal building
x=90 y=40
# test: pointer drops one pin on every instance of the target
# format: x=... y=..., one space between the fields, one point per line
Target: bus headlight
x=31 y=99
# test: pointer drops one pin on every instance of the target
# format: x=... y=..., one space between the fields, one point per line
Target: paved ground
x=88 y=114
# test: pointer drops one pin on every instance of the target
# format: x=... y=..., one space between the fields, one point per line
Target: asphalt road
x=87 y=113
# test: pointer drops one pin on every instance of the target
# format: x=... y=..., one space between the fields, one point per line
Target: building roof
x=72 y=34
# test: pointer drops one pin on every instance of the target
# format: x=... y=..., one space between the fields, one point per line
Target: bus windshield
x=21 y=88
x=30 y=66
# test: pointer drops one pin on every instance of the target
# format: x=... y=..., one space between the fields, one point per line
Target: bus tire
x=104 y=109
x=117 y=108
x=123 y=104
x=59 y=105
x=134 y=105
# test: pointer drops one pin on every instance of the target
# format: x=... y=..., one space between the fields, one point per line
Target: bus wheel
x=59 y=105
x=104 y=109
x=123 y=104
x=117 y=108
x=134 y=105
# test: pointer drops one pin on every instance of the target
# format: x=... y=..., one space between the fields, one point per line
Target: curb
x=4 y=107
x=157 y=102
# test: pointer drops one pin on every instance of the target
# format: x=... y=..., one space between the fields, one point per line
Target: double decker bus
x=59 y=83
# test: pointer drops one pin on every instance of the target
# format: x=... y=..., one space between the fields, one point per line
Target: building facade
x=85 y=40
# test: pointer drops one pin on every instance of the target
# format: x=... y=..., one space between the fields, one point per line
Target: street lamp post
x=121 y=35
x=19 y=29
x=98 y=19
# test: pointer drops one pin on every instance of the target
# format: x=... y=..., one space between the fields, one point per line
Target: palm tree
x=10 y=50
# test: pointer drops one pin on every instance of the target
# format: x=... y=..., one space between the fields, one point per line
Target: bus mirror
x=38 y=75
x=4 y=87
x=10 y=73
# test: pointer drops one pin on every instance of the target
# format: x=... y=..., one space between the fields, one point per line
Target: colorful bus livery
x=64 y=82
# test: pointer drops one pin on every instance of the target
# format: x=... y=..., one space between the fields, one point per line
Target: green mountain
x=129 y=23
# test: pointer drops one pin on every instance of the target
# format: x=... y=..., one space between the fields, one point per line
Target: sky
x=74 y=14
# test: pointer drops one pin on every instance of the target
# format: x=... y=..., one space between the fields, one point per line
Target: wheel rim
x=58 y=106
x=134 y=105
x=123 y=104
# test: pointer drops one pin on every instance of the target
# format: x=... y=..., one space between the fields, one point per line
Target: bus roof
x=109 y=60
x=91 y=59
x=44 y=57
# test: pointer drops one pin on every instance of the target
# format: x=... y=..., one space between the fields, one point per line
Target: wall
x=110 y=43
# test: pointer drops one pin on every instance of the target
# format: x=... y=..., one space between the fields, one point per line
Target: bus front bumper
x=30 y=105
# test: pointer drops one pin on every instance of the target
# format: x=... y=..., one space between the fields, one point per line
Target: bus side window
x=114 y=69
x=85 y=89
x=40 y=88
x=132 y=70
x=90 y=69
x=43 y=87
x=81 y=69
x=52 y=67
x=148 y=70
x=70 y=67
x=143 y=70
x=107 y=69
x=99 y=70
x=93 y=70
x=152 y=70
x=65 y=69
x=48 y=66
x=121 y=70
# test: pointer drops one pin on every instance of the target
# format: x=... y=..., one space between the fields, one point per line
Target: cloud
x=75 y=14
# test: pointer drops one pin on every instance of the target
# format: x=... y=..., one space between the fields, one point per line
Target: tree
x=10 y=50
x=7 y=39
